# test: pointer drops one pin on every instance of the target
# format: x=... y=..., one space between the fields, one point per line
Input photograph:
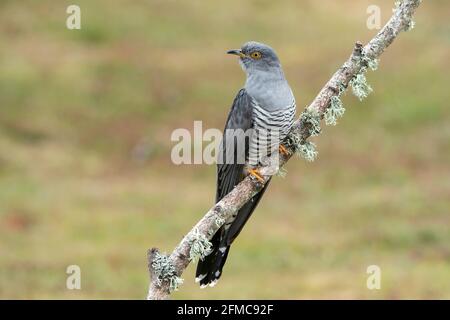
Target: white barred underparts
x=252 y=146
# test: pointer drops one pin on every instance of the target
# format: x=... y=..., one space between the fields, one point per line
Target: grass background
x=85 y=170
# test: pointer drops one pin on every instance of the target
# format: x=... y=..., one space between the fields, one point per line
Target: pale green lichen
x=307 y=150
x=311 y=118
x=200 y=246
x=341 y=87
x=165 y=271
x=219 y=221
x=334 y=111
x=211 y=231
x=294 y=140
x=360 y=87
x=282 y=172
x=371 y=63
x=410 y=24
x=304 y=149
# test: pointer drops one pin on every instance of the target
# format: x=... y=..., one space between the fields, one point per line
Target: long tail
x=209 y=270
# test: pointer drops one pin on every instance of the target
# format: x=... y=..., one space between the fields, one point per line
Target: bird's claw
x=255 y=173
x=282 y=149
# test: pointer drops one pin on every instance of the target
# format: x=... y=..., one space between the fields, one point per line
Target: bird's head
x=255 y=56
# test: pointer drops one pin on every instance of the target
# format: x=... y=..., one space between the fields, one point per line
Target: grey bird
x=265 y=104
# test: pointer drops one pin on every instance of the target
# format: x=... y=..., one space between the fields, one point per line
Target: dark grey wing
x=229 y=174
x=231 y=162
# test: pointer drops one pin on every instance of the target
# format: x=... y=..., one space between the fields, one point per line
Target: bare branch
x=165 y=271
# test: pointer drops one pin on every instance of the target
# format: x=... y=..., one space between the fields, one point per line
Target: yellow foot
x=256 y=174
x=283 y=150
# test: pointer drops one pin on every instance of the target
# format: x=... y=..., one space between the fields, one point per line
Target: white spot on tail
x=200 y=278
x=217 y=274
x=213 y=283
x=222 y=249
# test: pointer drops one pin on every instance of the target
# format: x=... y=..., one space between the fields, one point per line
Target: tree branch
x=165 y=271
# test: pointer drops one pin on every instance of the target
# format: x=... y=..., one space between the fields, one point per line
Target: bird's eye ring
x=255 y=55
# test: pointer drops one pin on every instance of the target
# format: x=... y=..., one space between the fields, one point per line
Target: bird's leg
x=255 y=173
x=282 y=149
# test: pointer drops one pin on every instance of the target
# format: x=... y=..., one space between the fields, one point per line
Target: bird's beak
x=237 y=52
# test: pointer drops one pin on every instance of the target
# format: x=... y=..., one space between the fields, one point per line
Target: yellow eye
x=255 y=55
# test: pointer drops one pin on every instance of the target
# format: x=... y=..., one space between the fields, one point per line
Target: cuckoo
x=260 y=118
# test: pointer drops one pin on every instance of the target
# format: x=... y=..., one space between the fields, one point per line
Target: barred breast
x=270 y=128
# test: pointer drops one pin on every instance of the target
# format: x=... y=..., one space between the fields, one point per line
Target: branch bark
x=166 y=270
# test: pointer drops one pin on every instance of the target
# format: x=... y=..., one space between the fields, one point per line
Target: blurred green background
x=85 y=172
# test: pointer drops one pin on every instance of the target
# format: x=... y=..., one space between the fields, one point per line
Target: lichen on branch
x=200 y=246
x=166 y=270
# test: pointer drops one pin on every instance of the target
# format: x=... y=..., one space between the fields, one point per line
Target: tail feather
x=204 y=266
x=244 y=214
x=209 y=270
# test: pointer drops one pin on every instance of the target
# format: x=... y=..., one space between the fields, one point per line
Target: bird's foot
x=282 y=149
x=255 y=173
